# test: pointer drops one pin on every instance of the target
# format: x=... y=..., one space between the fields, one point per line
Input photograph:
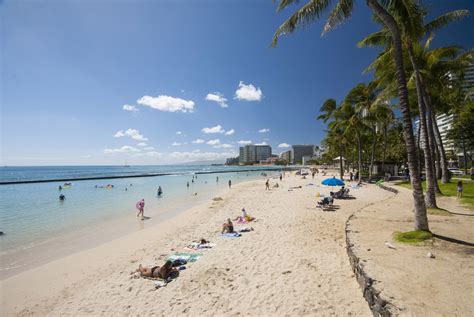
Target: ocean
x=38 y=227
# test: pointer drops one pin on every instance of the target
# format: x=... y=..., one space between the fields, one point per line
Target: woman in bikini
x=163 y=272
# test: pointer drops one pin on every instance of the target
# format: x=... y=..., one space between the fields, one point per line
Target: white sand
x=294 y=263
x=418 y=285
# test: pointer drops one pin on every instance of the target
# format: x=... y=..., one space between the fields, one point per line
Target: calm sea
x=38 y=227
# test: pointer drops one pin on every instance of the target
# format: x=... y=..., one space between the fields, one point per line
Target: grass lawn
x=412 y=237
x=449 y=189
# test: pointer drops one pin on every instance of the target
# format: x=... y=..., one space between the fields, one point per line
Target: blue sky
x=69 y=67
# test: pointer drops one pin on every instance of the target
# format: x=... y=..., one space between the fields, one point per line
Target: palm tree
x=329 y=111
x=410 y=17
x=362 y=101
x=311 y=12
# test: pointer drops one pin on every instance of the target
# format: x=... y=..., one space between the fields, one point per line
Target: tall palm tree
x=410 y=17
x=361 y=100
x=311 y=12
x=329 y=111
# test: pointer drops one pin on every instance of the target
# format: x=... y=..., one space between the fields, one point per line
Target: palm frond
x=284 y=3
x=445 y=19
x=341 y=12
x=308 y=13
x=379 y=38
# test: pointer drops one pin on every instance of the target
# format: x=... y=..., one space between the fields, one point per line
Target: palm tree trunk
x=341 y=168
x=430 y=196
x=359 y=156
x=372 y=153
x=384 y=148
x=439 y=140
x=432 y=150
x=438 y=158
x=418 y=145
x=421 y=219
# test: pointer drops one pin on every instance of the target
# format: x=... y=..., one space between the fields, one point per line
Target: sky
x=164 y=82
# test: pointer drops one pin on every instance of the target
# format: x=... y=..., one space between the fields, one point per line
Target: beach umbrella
x=332 y=182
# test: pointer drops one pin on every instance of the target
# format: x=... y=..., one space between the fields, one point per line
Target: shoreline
x=21 y=259
x=295 y=249
x=76 y=179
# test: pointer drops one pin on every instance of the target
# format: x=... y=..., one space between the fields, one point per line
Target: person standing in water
x=141 y=207
x=217 y=179
x=187 y=184
x=230 y=183
x=160 y=191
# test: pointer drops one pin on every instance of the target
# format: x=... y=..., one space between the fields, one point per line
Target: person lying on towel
x=164 y=272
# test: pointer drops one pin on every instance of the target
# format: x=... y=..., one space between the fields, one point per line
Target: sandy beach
x=293 y=263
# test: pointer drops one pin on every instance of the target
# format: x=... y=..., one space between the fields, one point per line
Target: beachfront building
x=250 y=154
x=232 y=161
x=262 y=152
x=298 y=151
x=286 y=156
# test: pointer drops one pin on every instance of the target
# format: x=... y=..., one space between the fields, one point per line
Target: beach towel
x=160 y=283
x=189 y=257
x=231 y=235
x=241 y=221
x=200 y=246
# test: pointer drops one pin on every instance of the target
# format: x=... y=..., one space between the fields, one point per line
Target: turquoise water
x=38 y=227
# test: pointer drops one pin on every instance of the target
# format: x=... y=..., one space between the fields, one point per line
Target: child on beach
x=141 y=207
x=459 y=190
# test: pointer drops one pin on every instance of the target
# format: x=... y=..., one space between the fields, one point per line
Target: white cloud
x=178 y=143
x=198 y=141
x=142 y=144
x=123 y=149
x=244 y=142
x=167 y=103
x=230 y=132
x=179 y=132
x=264 y=130
x=218 y=98
x=133 y=133
x=262 y=143
x=148 y=148
x=130 y=108
x=225 y=146
x=216 y=129
x=201 y=156
x=283 y=145
x=214 y=142
x=153 y=154
x=248 y=92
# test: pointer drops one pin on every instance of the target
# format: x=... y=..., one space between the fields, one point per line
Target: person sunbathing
x=164 y=272
x=245 y=217
x=228 y=227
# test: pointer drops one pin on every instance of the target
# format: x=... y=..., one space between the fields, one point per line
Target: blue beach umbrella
x=332 y=182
